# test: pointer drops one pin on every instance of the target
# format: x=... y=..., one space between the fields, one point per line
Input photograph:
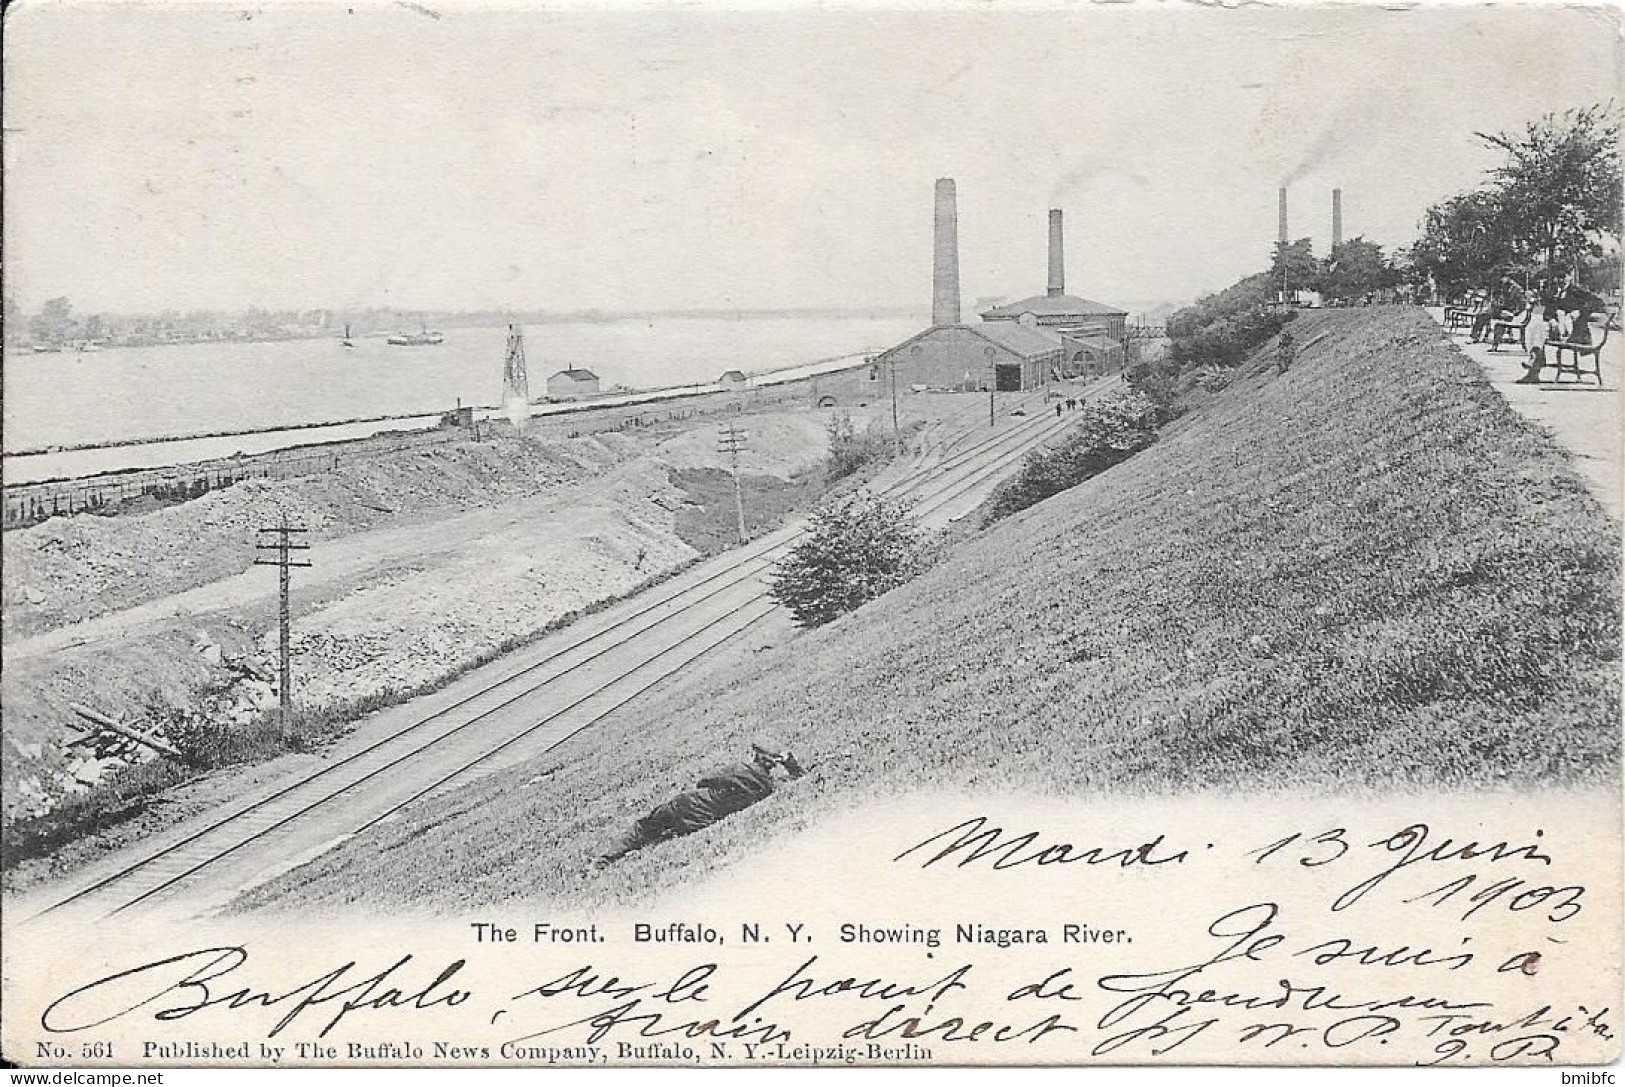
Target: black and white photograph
x=642 y=534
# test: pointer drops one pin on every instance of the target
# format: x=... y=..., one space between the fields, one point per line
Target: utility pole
x=282 y=546
x=896 y=429
x=731 y=442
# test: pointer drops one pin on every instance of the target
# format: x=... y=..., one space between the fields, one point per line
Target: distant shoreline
x=485 y=319
x=167 y=438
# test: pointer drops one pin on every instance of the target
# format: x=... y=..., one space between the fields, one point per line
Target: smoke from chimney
x=945 y=257
x=1337 y=218
x=1057 y=258
x=1283 y=215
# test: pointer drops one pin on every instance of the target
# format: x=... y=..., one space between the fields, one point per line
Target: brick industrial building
x=1022 y=345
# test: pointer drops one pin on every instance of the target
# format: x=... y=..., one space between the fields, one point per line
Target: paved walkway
x=1586 y=419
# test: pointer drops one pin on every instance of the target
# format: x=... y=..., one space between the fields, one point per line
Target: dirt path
x=1584 y=418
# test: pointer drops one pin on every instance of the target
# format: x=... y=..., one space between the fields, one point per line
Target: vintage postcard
x=598 y=534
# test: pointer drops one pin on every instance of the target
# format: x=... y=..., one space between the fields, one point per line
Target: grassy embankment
x=1364 y=573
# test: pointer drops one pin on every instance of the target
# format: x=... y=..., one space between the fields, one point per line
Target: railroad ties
x=526 y=704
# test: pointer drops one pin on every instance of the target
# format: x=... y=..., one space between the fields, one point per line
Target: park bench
x=1579 y=353
x=1462 y=315
x=1509 y=327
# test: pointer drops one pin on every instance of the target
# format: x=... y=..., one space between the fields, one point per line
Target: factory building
x=1083 y=320
x=1021 y=345
x=1086 y=355
x=965 y=358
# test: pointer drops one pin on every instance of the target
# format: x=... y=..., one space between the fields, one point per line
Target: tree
x=1243 y=295
x=1301 y=268
x=1560 y=188
x=1356 y=267
x=1465 y=241
x=857 y=546
x=55 y=320
x=851 y=449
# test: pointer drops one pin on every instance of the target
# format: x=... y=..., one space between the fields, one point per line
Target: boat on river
x=423 y=338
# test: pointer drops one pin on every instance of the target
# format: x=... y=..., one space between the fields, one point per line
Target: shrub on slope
x=1108 y=433
x=857 y=547
x=1214 y=334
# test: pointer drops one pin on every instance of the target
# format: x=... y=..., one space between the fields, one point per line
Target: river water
x=130 y=393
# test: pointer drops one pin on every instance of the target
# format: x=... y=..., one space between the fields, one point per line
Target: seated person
x=1506 y=302
x=1576 y=307
x=1566 y=309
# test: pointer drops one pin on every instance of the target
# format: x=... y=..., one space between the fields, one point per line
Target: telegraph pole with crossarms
x=281 y=544
x=731 y=442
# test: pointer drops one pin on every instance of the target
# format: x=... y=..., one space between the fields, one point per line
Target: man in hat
x=718 y=794
x=1566 y=312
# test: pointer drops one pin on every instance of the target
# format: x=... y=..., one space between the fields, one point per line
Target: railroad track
x=487 y=720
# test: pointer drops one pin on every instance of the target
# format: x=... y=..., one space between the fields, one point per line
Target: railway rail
x=488 y=719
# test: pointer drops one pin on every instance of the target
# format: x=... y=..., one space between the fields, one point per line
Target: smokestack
x=1337 y=218
x=1057 y=258
x=1284 y=239
x=945 y=257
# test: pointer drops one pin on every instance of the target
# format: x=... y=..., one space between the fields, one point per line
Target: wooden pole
x=283 y=547
x=896 y=429
x=143 y=738
x=733 y=440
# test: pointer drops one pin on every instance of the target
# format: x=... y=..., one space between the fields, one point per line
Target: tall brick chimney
x=1057 y=259
x=1337 y=217
x=945 y=257
x=1284 y=239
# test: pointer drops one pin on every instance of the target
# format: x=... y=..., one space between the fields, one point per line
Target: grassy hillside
x=1366 y=572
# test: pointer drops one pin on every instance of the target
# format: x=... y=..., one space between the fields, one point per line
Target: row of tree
x=1552 y=205
x=1356 y=270
x=57 y=324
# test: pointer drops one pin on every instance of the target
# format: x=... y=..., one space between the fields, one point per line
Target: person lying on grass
x=718 y=794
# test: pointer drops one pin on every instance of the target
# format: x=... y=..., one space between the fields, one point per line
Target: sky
x=452 y=156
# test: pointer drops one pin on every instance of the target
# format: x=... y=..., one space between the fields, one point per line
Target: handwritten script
x=1407 y=944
